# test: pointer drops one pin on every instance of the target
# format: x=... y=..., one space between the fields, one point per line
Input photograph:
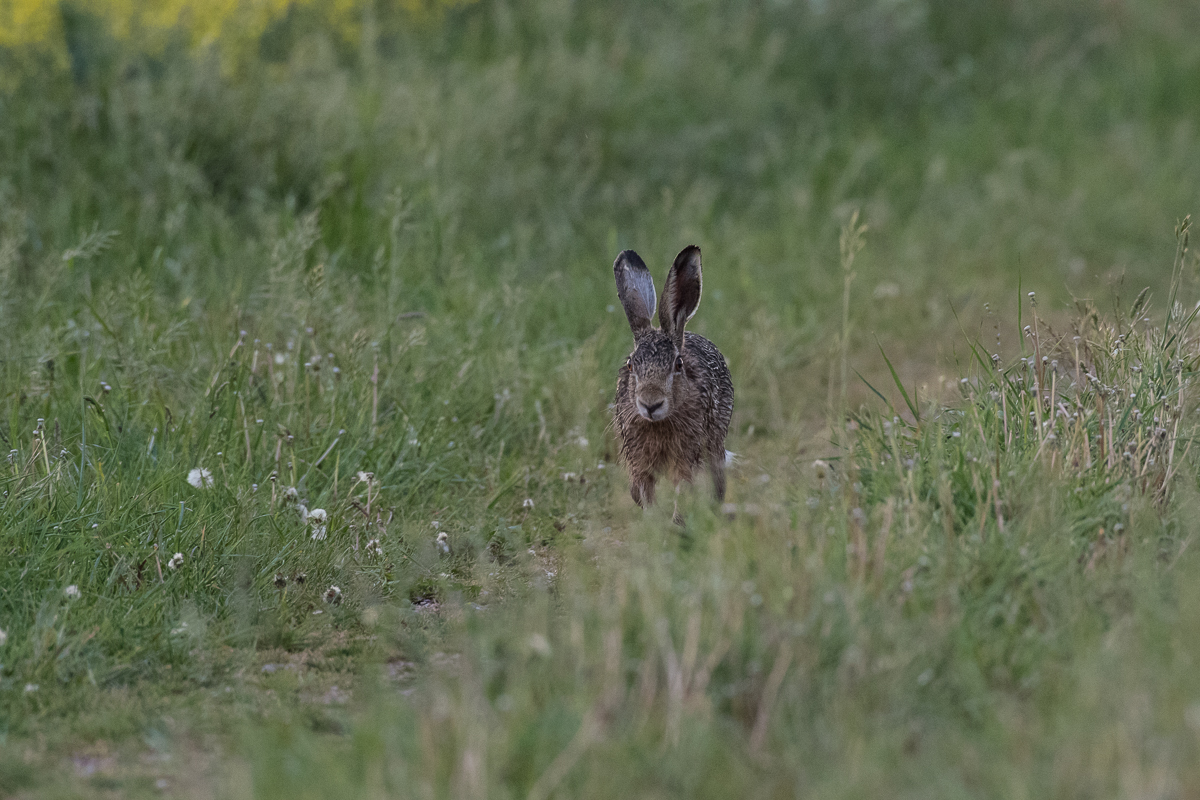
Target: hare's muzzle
x=653 y=409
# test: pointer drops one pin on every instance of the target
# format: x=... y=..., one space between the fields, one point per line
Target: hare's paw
x=641 y=489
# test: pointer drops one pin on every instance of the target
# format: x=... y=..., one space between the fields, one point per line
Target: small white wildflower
x=30 y=688
x=539 y=645
x=821 y=468
x=582 y=441
x=318 y=515
x=374 y=550
x=176 y=561
x=569 y=476
x=528 y=503
x=333 y=595
x=290 y=494
x=443 y=543
x=280 y=358
x=364 y=477
x=72 y=592
x=200 y=478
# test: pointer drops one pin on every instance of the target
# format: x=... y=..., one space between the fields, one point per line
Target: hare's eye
x=679 y=363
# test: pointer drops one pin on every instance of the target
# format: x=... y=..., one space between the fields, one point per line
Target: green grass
x=393 y=258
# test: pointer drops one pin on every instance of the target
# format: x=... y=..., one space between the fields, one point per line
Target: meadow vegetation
x=309 y=336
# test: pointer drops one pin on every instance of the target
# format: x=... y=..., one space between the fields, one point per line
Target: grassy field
x=309 y=335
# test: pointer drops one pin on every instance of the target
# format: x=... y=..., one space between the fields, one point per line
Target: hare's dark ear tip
x=689 y=255
x=629 y=257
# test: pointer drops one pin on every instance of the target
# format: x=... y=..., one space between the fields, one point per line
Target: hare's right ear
x=635 y=287
x=681 y=294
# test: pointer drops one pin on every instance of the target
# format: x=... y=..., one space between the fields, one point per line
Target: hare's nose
x=652 y=407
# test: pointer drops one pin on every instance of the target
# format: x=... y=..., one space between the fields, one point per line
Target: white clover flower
x=318 y=515
x=200 y=478
x=443 y=543
x=333 y=595
x=72 y=592
x=176 y=561
x=3 y=637
x=291 y=495
x=374 y=550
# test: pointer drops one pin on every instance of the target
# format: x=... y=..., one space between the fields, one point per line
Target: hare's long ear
x=635 y=287
x=681 y=295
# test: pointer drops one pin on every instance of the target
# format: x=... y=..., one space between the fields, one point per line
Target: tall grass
x=990 y=598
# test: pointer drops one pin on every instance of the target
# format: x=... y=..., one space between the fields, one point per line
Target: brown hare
x=674 y=393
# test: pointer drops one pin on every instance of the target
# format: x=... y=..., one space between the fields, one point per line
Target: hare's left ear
x=635 y=288
x=681 y=295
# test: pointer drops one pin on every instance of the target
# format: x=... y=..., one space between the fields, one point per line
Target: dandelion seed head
x=333 y=595
x=72 y=592
x=317 y=516
x=200 y=478
x=176 y=561
x=528 y=504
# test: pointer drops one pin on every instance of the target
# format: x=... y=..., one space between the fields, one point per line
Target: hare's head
x=658 y=376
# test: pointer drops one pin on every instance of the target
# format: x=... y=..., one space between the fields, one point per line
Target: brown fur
x=682 y=372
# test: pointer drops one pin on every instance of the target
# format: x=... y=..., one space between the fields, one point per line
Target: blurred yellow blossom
x=232 y=26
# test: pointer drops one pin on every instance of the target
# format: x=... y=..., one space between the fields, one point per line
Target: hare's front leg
x=717 y=467
x=641 y=489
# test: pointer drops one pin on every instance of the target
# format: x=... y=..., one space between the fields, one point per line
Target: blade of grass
x=899 y=385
